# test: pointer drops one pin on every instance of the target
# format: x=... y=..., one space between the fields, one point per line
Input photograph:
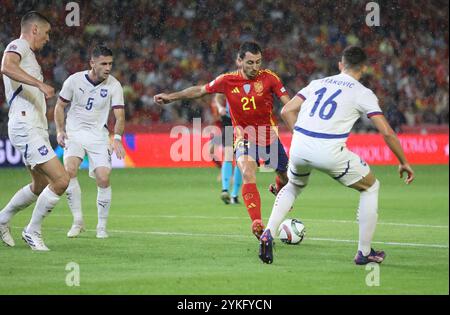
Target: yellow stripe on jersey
x=272 y=73
x=230 y=73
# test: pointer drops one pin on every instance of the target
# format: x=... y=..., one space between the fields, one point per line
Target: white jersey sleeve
x=305 y=92
x=367 y=103
x=117 y=96
x=18 y=47
x=66 y=93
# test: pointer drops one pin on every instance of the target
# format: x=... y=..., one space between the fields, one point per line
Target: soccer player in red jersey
x=249 y=92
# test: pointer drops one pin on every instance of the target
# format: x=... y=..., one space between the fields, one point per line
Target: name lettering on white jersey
x=332 y=105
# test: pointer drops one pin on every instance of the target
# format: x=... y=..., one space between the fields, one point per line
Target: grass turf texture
x=171 y=234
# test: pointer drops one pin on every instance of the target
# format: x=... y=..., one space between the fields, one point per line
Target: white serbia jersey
x=90 y=102
x=27 y=106
x=332 y=105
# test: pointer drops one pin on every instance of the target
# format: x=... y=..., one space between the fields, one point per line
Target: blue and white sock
x=237 y=181
x=227 y=172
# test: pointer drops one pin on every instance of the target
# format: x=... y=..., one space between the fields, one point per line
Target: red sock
x=252 y=201
x=279 y=183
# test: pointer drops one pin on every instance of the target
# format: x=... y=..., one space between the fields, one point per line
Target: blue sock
x=227 y=172
x=237 y=181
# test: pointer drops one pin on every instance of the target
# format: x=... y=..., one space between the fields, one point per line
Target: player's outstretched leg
x=22 y=199
x=252 y=200
x=104 y=194
x=47 y=200
x=74 y=200
x=103 y=205
x=283 y=203
x=367 y=218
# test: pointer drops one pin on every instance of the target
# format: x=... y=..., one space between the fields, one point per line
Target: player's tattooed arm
x=290 y=111
x=189 y=93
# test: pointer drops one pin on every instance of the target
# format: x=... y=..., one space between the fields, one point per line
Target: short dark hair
x=100 y=50
x=33 y=16
x=251 y=47
x=354 y=57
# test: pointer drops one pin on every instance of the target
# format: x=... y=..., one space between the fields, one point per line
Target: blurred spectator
x=167 y=45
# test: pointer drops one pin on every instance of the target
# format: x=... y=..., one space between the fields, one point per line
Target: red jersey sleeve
x=217 y=85
x=277 y=85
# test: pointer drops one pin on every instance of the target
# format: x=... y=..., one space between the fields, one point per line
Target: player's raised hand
x=48 y=91
x=61 y=138
x=119 y=149
x=161 y=99
x=402 y=168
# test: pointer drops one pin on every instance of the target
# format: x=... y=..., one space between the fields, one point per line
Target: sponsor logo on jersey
x=283 y=90
x=235 y=90
x=12 y=47
x=259 y=87
x=103 y=92
x=43 y=150
x=247 y=88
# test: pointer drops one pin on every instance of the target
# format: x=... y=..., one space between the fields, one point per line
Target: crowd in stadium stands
x=168 y=45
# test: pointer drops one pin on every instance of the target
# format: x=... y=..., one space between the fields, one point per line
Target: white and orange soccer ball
x=291 y=231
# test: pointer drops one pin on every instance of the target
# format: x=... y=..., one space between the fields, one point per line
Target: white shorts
x=335 y=160
x=33 y=144
x=98 y=150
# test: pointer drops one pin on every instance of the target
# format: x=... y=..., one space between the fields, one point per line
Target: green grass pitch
x=171 y=234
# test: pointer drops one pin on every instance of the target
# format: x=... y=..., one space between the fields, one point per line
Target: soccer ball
x=291 y=231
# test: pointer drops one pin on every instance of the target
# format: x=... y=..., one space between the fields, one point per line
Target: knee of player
x=102 y=181
x=63 y=181
x=72 y=172
x=248 y=177
x=38 y=187
x=375 y=187
x=299 y=183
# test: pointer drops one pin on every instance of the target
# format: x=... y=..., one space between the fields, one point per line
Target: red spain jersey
x=251 y=103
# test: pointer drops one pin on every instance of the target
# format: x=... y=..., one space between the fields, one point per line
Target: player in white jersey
x=92 y=94
x=27 y=129
x=322 y=115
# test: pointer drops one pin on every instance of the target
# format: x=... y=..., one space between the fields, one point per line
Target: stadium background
x=170 y=45
x=170 y=232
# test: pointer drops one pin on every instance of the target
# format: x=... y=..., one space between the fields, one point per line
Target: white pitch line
x=240 y=218
x=160 y=233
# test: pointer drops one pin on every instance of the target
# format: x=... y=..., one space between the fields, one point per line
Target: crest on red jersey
x=259 y=87
x=246 y=88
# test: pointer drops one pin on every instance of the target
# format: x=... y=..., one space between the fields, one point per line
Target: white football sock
x=22 y=199
x=74 y=200
x=368 y=216
x=103 y=205
x=46 y=201
x=283 y=203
